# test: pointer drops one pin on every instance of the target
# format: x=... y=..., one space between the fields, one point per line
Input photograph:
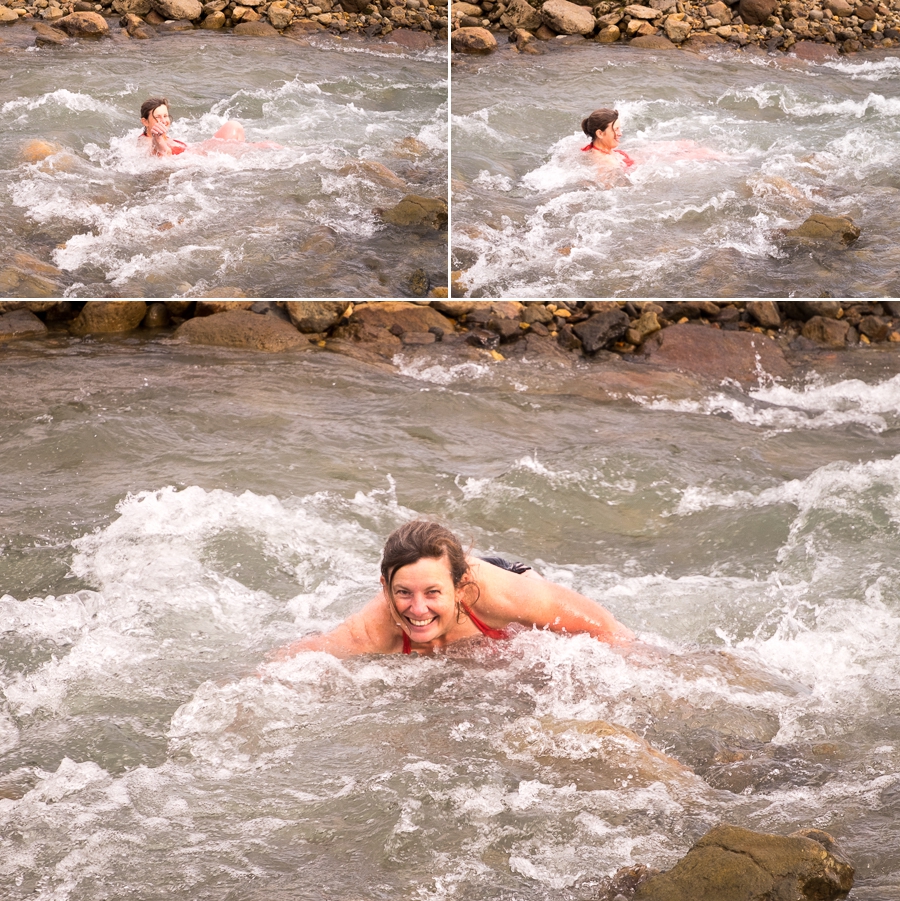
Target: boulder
x=459 y=9
x=280 y=16
x=8 y=16
x=84 y=25
x=602 y=329
x=677 y=30
x=521 y=14
x=134 y=7
x=841 y=8
x=697 y=43
x=647 y=325
x=37 y=150
x=608 y=35
x=47 y=36
x=831 y=332
x=735 y=864
x=98 y=317
x=765 y=312
x=715 y=353
x=652 y=42
x=568 y=18
x=157 y=316
x=20 y=324
x=255 y=29
x=178 y=9
x=211 y=307
x=815 y=53
x=472 y=40
x=412 y=40
x=398 y=318
x=806 y=309
x=417 y=211
x=242 y=329
x=315 y=315
x=636 y=11
x=819 y=229
x=213 y=21
x=755 y=12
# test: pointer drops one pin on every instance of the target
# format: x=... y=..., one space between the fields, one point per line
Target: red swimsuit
x=628 y=160
x=482 y=627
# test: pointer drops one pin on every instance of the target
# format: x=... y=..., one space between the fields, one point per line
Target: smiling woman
x=429 y=589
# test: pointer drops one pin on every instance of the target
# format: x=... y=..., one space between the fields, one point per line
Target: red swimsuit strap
x=482 y=627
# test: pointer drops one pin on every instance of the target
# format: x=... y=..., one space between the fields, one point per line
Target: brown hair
x=599 y=120
x=151 y=105
x=418 y=539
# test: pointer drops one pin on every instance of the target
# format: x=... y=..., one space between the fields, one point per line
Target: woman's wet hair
x=151 y=105
x=599 y=120
x=418 y=539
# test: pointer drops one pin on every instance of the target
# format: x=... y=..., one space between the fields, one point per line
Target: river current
x=790 y=139
x=360 y=124
x=170 y=515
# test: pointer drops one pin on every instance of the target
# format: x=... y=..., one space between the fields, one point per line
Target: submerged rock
x=20 y=324
x=716 y=353
x=819 y=229
x=242 y=329
x=415 y=210
x=108 y=316
x=735 y=864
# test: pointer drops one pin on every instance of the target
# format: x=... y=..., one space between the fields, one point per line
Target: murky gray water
x=170 y=515
x=361 y=126
x=793 y=139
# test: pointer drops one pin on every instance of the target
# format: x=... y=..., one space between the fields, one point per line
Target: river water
x=171 y=515
x=361 y=125
x=792 y=138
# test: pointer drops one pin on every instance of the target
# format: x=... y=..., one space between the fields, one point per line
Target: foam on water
x=784 y=408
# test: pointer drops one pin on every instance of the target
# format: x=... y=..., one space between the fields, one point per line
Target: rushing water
x=793 y=138
x=171 y=515
x=361 y=125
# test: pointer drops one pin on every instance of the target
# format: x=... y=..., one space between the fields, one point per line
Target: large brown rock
x=418 y=212
x=100 y=317
x=8 y=16
x=256 y=29
x=755 y=12
x=765 y=312
x=819 y=229
x=652 y=42
x=399 y=317
x=734 y=864
x=715 y=353
x=179 y=9
x=47 y=36
x=242 y=329
x=568 y=18
x=315 y=315
x=806 y=309
x=822 y=330
x=521 y=14
x=602 y=329
x=20 y=324
x=472 y=40
x=84 y=25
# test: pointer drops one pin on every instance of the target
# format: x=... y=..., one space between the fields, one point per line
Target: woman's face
x=610 y=136
x=159 y=116
x=425 y=598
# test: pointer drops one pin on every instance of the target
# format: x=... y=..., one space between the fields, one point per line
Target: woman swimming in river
x=433 y=594
x=156 y=121
x=603 y=128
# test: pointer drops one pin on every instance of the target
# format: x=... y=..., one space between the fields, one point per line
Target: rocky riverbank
x=812 y=29
x=707 y=339
x=416 y=24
